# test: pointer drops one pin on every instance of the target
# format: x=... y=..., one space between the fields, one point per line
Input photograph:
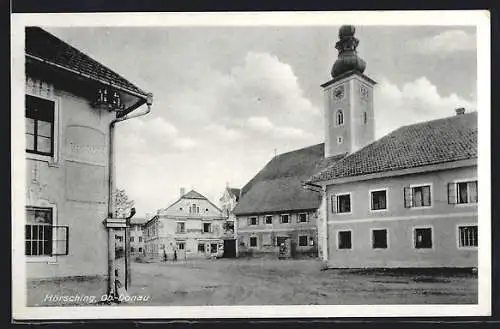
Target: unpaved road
x=272 y=282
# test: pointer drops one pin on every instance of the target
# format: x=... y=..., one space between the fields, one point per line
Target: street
x=271 y=282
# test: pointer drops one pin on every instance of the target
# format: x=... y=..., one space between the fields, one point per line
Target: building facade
x=408 y=199
x=192 y=227
x=136 y=236
x=275 y=209
x=67 y=132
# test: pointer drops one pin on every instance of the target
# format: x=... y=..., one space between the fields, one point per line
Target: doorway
x=229 y=248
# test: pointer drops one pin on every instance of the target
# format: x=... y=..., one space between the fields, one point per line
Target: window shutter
x=60 y=239
x=211 y=228
x=452 y=193
x=334 y=204
x=408 y=197
x=248 y=221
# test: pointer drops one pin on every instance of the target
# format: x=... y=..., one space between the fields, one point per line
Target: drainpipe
x=111 y=188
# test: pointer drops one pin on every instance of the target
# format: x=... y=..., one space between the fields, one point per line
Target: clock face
x=363 y=91
x=338 y=93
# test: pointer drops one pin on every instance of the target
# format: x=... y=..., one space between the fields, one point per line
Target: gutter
x=312 y=187
x=111 y=184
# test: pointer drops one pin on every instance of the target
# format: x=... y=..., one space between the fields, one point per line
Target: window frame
x=414 y=235
x=288 y=216
x=458 y=236
x=372 y=237
x=338 y=239
x=256 y=242
x=55 y=223
x=302 y=213
x=256 y=221
x=336 y=196
x=339 y=113
x=370 y=205
x=209 y=227
x=54 y=158
x=177 y=227
x=411 y=187
x=468 y=203
x=265 y=219
x=307 y=241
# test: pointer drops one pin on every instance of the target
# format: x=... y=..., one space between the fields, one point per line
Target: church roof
x=421 y=144
x=278 y=186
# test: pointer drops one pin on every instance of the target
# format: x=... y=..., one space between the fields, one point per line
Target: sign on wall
x=85 y=144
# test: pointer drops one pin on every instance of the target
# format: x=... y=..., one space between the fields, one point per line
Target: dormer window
x=340 y=118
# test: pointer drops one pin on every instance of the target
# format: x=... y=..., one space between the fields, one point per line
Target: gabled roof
x=193 y=195
x=427 y=143
x=45 y=46
x=278 y=186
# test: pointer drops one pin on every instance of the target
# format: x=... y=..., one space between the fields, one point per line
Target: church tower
x=349 y=115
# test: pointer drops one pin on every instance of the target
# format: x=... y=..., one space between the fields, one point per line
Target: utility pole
x=128 y=276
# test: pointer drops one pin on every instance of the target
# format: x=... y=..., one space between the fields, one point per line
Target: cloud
x=151 y=136
x=415 y=101
x=224 y=132
x=449 y=41
x=264 y=125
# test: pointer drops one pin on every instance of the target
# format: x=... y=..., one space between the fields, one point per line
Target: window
x=281 y=240
x=365 y=119
x=180 y=245
x=207 y=228
x=302 y=217
x=341 y=203
x=131 y=239
x=345 y=240
x=253 y=242
x=213 y=248
x=252 y=221
x=423 y=238
x=379 y=239
x=417 y=196
x=285 y=219
x=42 y=238
x=303 y=241
x=140 y=249
x=340 y=118
x=201 y=247
x=140 y=239
x=131 y=249
x=181 y=227
x=462 y=192
x=39 y=125
x=339 y=140
x=269 y=219
x=194 y=209
x=467 y=236
x=379 y=200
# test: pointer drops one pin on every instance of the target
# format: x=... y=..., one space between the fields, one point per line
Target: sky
x=227 y=99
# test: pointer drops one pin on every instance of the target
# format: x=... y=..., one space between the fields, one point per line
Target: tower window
x=339 y=140
x=365 y=119
x=340 y=118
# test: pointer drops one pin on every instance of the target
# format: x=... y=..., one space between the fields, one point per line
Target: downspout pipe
x=111 y=188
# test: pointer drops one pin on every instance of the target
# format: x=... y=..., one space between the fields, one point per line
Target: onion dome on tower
x=348 y=59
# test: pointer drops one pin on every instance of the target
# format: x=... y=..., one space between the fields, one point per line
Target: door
x=229 y=248
x=181 y=250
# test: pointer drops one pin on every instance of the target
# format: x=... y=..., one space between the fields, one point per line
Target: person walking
x=175 y=255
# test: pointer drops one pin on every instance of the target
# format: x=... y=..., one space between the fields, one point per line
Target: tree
x=122 y=204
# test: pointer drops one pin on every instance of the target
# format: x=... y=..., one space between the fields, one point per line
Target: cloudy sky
x=227 y=99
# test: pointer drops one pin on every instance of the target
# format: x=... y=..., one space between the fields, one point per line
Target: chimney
x=460 y=111
x=183 y=191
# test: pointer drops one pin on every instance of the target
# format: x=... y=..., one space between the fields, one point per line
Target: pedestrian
x=175 y=255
